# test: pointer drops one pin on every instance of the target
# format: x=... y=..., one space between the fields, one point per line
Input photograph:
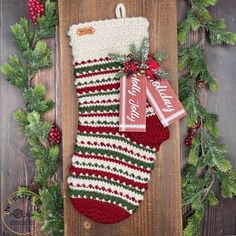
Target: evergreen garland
x=207 y=157
x=20 y=70
x=207 y=163
x=141 y=62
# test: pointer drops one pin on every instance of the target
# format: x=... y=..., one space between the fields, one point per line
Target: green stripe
x=115 y=79
x=103 y=196
x=99 y=108
x=100 y=122
x=109 y=182
x=107 y=136
x=92 y=68
x=85 y=112
x=114 y=153
x=98 y=93
x=110 y=168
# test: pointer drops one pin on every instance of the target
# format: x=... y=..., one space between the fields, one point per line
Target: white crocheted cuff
x=97 y=39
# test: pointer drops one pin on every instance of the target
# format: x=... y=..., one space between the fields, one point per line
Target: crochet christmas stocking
x=110 y=170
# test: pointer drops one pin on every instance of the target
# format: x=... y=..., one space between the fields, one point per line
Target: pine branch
x=47 y=23
x=144 y=50
x=35 y=55
x=160 y=56
x=207 y=162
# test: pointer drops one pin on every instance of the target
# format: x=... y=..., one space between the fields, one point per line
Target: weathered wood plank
x=17 y=168
x=220 y=220
x=160 y=213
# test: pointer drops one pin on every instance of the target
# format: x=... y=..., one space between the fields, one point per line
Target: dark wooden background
x=160 y=212
x=221 y=220
x=17 y=169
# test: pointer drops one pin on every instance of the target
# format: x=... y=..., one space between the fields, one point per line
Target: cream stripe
x=98 y=112
x=100 y=104
x=94 y=78
x=100 y=184
x=96 y=92
x=135 y=156
x=108 y=140
x=95 y=98
x=104 y=192
x=94 y=63
x=97 y=84
x=79 y=165
x=93 y=161
x=100 y=125
x=98 y=118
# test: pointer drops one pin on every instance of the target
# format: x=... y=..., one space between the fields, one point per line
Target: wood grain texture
x=219 y=220
x=160 y=213
x=153 y=216
x=17 y=168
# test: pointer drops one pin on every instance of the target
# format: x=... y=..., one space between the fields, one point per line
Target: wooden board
x=16 y=167
x=160 y=213
x=220 y=220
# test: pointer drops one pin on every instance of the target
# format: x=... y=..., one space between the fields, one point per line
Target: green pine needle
x=144 y=50
x=163 y=75
x=19 y=71
x=160 y=56
x=207 y=157
x=118 y=57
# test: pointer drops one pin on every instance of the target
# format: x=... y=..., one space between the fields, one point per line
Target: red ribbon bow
x=150 y=66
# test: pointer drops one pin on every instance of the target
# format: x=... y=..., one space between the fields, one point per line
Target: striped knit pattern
x=110 y=170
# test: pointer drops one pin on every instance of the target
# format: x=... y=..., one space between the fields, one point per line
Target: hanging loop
x=120 y=10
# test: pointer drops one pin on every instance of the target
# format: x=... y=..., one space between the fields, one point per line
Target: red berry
x=186 y=142
x=126 y=64
x=125 y=70
x=191 y=133
x=54 y=136
x=149 y=72
x=133 y=67
x=36 y=9
x=153 y=64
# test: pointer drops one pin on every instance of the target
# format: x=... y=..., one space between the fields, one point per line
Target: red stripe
x=153 y=137
x=112 y=160
x=92 y=61
x=97 y=73
x=82 y=128
x=84 y=206
x=116 y=147
x=98 y=83
x=98 y=88
x=104 y=114
x=109 y=176
x=100 y=101
x=103 y=189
